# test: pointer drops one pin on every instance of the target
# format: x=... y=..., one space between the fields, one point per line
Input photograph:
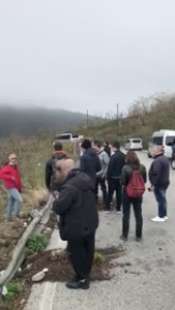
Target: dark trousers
x=137 y=206
x=160 y=195
x=114 y=185
x=81 y=255
x=102 y=183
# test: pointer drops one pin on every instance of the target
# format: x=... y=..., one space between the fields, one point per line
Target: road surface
x=147 y=284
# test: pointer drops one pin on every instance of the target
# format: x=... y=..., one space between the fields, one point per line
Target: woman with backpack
x=133 y=180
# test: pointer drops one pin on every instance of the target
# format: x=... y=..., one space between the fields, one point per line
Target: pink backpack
x=136 y=185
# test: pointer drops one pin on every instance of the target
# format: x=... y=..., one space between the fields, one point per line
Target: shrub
x=37 y=243
x=14 y=288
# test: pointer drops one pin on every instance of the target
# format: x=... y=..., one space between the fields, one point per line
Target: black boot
x=78 y=284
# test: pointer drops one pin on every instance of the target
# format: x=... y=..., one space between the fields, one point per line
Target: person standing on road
x=107 y=148
x=50 y=173
x=159 y=176
x=133 y=181
x=10 y=175
x=89 y=161
x=116 y=164
x=101 y=175
x=76 y=206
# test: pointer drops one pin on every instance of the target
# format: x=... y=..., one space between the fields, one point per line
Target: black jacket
x=90 y=163
x=116 y=164
x=49 y=170
x=159 y=173
x=76 y=206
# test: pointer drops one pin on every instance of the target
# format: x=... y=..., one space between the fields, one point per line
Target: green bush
x=14 y=288
x=37 y=243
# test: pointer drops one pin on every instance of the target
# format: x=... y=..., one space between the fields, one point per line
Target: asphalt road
x=147 y=283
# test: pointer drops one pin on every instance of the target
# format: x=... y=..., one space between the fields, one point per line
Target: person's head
x=97 y=145
x=63 y=168
x=157 y=150
x=86 y=144
x=132 y=159
x=106 y=143
x=12 y=159
x=57 y=146
x=115 y=145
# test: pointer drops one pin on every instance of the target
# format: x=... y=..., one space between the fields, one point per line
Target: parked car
x=68 y=137
x=135 y=144
x=163 y=138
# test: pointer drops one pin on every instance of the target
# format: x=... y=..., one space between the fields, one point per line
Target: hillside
x=30 y=121
x=144 y=117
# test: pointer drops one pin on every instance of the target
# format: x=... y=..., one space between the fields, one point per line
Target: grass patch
x=37 y=243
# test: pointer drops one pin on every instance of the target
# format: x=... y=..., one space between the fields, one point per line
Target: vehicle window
x=136 y=141
x=170 y=140
x=75 y=136
x=157 y=140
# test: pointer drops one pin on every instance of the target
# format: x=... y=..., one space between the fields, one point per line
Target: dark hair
x=116 y=144
x=57 y=146
x=132 y=159
x=86 y=144
x=98 y=143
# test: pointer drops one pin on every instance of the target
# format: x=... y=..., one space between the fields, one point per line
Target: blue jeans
x=160 y=195
x=14 y=203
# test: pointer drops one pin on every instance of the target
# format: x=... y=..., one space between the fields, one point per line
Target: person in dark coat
x=89 y=161
x=132 y=165
x=58 y=154
x=159 y=176
x=76 y=207
x=116 y=164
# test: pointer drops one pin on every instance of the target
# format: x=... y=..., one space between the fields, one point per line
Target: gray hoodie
x=104 y=160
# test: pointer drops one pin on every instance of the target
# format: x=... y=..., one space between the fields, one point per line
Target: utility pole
x=117 y=119
x=87 y=119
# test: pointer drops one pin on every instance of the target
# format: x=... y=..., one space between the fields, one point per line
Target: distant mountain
x=29 y=121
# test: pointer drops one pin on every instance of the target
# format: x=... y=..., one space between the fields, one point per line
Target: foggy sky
x=75 y=54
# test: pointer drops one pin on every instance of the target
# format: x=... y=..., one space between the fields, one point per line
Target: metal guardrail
x=19 y=251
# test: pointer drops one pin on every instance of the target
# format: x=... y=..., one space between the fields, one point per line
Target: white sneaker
x=158 y=219
x=119 y=212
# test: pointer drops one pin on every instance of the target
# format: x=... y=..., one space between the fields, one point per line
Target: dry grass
x=32 y=153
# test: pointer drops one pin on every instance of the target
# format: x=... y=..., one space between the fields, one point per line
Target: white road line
x=47 y=299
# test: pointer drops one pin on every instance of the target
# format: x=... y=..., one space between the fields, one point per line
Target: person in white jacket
x=101 y=175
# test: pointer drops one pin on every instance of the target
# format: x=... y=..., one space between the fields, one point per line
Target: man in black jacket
x=50 y=172
x=89 y=161
x=76 y=207
x=159 y=176
x=116 y=164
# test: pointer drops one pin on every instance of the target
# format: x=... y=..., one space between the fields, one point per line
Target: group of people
x=76 y=204
x=75 y=189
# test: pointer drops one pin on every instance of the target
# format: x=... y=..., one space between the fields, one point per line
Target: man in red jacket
x=11 y=178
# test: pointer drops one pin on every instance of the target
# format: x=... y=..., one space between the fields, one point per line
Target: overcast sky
x=79 y=54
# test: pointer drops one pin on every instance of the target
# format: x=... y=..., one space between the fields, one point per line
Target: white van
x=68 y=137
x=134 y=144
x=164 y=138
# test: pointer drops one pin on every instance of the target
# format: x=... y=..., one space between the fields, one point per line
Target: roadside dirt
x=60 y=270
x=10 y=232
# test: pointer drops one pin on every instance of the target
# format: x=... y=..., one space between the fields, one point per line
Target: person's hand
x=150 y=188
